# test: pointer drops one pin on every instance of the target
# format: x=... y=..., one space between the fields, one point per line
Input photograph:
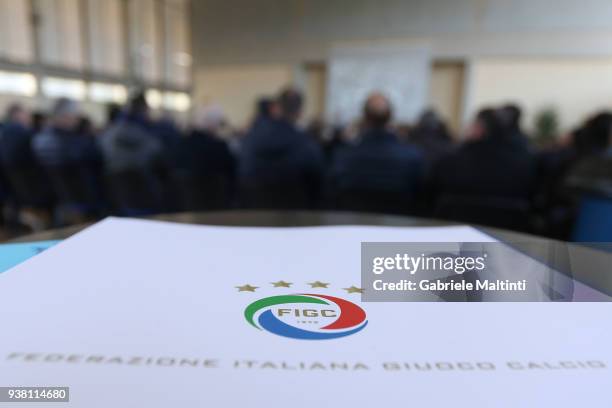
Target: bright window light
x=178 y=101
x=103 y=92
x=64 y=88
x=154 y=98
x=17 y=83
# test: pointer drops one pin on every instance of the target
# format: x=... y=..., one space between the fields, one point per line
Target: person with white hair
x=209 y=119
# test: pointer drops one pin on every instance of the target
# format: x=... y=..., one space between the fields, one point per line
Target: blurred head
x=510 y=116
x=487 y=125
x=208 y=118
x=65 y=114
x=266 y=108
x=377 y=111
x=113 y=112
x=430 y=128
x=85 y=126
x=316 y=129
x=290 y=103
x=429 y=120
x=596 y=135
x=39 y=121
x=138 y=106
x=16 y=113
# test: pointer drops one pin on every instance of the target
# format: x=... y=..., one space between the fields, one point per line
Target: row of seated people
x=136 y=166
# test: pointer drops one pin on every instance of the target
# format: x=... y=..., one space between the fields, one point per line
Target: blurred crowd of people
x=57 y=169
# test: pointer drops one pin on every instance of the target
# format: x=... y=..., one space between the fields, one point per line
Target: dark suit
x=205 y=172
x=280 y=167
x=499 y=168
x=592 y=175
x=27 y=180
x=487 y=182
x=378 y=173
x=204 y=154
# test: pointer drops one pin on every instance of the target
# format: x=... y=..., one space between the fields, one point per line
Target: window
x=145 y=46
x=17 y=83
x=106 y=45
x=154 y=98
x=178 y=101
x=177 y=58
x=59 y=33
x=15 y=31
x=61 y=87
x=104 y=92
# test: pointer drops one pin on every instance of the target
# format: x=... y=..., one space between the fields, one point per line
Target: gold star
x=246 y=288
x=281 y=284
x=318 y=284
x=353 y=289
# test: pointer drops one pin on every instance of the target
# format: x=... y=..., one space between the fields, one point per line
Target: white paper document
x=133 y=313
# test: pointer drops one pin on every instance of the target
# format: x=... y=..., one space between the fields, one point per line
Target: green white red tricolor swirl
x=350 y=320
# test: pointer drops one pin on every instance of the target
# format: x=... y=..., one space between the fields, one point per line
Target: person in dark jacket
x=593 y=172
x=61 y=144
x=265 y=110
x=15 y=150
x=489 y=180
x=510 y=116
x=131 y=143
x=205 y=167
x=378 y=172
x=136 y=163
x=280 y=166
x=26 y=182
x=489 y=163
x=72 y=161
x=16 y=137
x=432 y=137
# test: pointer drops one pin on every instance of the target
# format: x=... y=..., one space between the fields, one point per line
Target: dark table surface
x=281 y=219
x=590 y=266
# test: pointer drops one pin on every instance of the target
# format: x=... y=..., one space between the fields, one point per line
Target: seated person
x=378 y=167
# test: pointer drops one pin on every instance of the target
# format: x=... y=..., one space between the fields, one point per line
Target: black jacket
x=378 y=162
x=275 y=154
x=489 y=167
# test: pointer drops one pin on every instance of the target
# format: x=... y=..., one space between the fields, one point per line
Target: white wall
x=60 y=35
x=107 y=48
x=234 y=31
x=539 y=46
x=575 y=88
x=446 y=92
x=237 y=87
x=16 y=42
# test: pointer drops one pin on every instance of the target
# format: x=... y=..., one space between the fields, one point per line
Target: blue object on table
x=14 y=254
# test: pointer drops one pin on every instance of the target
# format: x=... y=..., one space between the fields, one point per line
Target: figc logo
x=306 y=316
